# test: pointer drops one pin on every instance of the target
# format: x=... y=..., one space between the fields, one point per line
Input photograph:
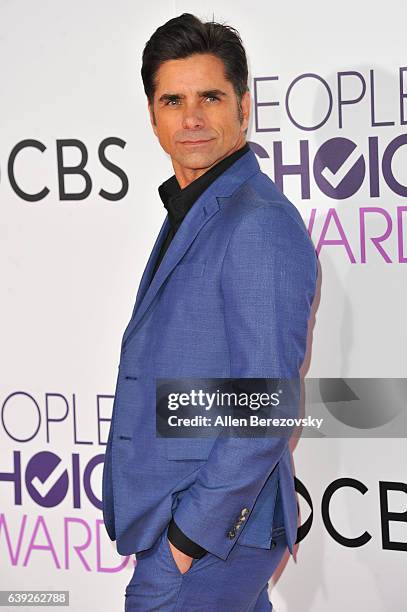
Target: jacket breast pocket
x=189 y=448
x=189 y=270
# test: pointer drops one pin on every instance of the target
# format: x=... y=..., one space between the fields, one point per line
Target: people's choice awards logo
x=328 y=139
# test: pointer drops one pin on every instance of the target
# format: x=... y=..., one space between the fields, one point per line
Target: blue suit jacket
x=231 y=298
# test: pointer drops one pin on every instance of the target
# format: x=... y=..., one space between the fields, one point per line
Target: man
x=226 y=293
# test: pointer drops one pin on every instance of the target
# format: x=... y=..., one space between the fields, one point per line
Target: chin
x=198 y=160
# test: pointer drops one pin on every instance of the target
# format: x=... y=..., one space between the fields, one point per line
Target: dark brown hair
x=186 y=35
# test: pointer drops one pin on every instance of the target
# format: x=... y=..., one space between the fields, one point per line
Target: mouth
x=195 y=143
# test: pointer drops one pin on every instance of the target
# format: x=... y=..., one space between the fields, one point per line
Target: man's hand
x=183 y=561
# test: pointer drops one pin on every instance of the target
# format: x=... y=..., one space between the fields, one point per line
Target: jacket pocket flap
x=189 y=448
x=189 y=270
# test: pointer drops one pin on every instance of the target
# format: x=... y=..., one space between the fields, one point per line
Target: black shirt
x=178 y=201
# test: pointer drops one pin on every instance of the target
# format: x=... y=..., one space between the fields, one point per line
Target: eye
x=211 y=98
x=172 y=102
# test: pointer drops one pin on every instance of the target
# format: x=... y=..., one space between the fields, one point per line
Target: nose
x=193 y=117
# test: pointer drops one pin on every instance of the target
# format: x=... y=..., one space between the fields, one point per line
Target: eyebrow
x=202 y=94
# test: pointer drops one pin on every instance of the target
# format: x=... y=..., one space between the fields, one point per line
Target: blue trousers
x=237 y=584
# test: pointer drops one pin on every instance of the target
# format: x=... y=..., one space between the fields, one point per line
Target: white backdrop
x=70 y=270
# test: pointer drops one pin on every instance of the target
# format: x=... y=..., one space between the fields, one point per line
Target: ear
x=152 y=118
x=246 y=105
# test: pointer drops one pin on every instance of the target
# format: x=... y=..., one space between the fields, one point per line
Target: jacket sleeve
x=268 y=282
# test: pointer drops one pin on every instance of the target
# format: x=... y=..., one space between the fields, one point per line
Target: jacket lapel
x=148 y=270
x=205 y=207
x=192 y=224
x=145 y=279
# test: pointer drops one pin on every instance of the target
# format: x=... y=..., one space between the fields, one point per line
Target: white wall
x=70 y=272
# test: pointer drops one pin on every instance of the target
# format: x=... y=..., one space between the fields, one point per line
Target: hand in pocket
x=181 y=560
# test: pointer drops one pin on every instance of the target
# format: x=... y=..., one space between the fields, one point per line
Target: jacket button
x=273 y=543
x=232 y=533
x=244 y=511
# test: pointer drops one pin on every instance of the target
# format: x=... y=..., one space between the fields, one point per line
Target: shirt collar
x=178 y=201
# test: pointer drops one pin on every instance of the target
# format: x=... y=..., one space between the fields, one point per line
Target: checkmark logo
x=44 y=487
x=339 y=168
x=46 y=479
x=336 y=178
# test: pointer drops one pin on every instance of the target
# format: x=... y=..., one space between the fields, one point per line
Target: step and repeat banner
x=80 y=211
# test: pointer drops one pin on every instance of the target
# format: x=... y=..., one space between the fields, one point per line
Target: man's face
x=196 y=114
